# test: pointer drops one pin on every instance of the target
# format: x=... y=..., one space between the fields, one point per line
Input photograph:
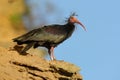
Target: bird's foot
x=53 y=59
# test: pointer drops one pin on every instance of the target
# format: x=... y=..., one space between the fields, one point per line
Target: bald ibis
x=48 y=36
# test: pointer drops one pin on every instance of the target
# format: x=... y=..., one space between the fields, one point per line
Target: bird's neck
x=70 y=27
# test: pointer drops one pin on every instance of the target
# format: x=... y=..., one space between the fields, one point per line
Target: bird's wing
x=52 y=33
x=27 y=36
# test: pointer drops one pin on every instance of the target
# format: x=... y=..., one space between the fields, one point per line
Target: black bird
x=48 y=36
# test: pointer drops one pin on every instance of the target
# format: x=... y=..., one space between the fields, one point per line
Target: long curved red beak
x=81 y=25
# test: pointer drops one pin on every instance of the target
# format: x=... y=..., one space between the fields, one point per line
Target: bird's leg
x=51 y=53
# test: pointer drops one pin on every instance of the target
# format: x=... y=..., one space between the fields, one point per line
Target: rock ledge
x=31 y=67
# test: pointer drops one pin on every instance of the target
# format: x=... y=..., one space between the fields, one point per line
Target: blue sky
x=96 y=51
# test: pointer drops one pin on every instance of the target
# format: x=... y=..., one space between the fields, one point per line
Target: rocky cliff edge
x=14 y=66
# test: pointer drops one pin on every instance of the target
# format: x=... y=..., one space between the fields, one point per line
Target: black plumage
x=48 y=36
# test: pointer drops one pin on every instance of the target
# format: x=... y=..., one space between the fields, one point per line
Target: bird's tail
x=27 y=47
x=19 y=42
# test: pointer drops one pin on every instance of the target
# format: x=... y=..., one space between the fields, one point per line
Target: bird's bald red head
x=73 y=19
